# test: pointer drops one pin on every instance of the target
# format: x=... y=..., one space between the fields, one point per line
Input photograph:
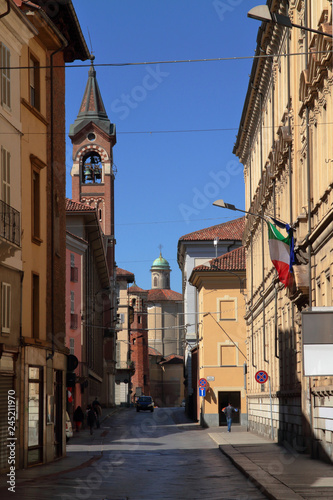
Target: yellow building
x=285 y=144
x=124 y=367
x=43 y=356
x=221 y=337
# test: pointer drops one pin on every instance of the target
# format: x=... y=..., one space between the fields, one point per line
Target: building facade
x=87 y=325
x=284 y=143
x=124 y=365
x=195 y=249
x=93 y=173
x=221 y=350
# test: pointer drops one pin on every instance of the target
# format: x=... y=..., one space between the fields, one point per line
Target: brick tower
x=93 y=137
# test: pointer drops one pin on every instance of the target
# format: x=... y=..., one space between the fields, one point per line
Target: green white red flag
x=281 y=249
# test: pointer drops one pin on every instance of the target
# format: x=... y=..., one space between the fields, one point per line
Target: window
x=228 y=310
x=5 y=176
x=228 y=355
x=5 y=76
x=35 y=306
x=74 y=270
x=34 y=82
x=35 y=204
x=71 y=345
x=5 y=307
x=72 y=303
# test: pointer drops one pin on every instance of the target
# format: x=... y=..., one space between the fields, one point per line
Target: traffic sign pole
x=270 y=399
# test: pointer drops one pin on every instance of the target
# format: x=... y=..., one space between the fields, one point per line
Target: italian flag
x=280 y=253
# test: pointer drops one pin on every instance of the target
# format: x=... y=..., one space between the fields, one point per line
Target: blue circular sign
x=203 y=382
x=261 y=376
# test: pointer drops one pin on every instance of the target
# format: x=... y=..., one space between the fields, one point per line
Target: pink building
x=75 y=248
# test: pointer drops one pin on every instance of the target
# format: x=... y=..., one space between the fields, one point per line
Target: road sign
x=202 y=391
x=203 y=382
x=261 y=376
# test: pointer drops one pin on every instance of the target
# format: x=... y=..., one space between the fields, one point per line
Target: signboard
x=317 y=333
x=203 y=382
x=210 y=378
x=261 y=376
x=202 y=391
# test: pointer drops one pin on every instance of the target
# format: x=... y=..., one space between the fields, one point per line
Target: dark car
x=145 y=403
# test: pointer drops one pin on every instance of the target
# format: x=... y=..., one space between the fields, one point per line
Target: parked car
x=69 y=428
x=145 y=403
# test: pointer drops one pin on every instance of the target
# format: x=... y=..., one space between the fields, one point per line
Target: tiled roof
x=233 y=261
x=157 y=294
x=174 y=358
x=232 y=230
x=123 y=273
x=153 y=352
x=135 y=289
x=76 y=206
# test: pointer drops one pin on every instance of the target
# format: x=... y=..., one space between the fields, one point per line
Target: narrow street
x=143 y=456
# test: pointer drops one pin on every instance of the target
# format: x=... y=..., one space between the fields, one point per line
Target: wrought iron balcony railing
x=10 y=224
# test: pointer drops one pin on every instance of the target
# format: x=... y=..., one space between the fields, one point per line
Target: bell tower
x=93 y=137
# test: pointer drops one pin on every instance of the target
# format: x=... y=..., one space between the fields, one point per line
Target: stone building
x=285 y=144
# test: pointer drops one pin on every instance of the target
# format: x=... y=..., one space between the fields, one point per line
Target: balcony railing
x=10 y=227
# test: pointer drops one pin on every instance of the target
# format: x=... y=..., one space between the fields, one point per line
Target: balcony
x=10 y=227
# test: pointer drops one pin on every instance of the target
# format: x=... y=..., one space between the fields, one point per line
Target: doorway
x=233 y=397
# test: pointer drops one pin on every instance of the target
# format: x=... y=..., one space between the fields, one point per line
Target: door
x=225 y=398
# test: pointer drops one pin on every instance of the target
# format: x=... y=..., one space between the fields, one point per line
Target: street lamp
x=229 y=206
x=262 y=13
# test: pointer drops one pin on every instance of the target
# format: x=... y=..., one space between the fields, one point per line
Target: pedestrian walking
x=91 y=418
x=228 y=411
x=78 y=418
x=98 y=411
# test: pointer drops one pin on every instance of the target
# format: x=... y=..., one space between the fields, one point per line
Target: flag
x=281 y=249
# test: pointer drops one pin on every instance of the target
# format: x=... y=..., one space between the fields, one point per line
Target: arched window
x=92 y=169
x=155 y=280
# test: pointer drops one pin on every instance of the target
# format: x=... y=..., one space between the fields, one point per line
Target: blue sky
x=171 y=165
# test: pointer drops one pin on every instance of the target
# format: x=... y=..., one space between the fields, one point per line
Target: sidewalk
x=74 y=458
x=280 y=473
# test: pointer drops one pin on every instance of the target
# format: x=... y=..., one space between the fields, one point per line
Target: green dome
x=161 y=263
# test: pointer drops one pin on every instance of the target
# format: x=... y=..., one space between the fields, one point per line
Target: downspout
x=262 y=244
x=293 y=340
x=64 y=45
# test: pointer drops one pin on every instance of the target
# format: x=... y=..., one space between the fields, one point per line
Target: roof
x=92 y=108
x=153 y=352
x=64 y=17
x=160 y=294
x=160 y=262
x=172 y=359
x=231 y=230
x=122 y=274
x=233 y=261
x=76 y=206
x=136 y=289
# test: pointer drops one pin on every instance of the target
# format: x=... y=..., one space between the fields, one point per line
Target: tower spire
x=92 y=108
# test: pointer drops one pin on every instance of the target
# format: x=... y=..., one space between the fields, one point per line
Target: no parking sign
x=261 y=377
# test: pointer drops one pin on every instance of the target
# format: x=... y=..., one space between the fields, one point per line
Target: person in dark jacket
x=228 y=411
x=78 y=418
x=91 y=418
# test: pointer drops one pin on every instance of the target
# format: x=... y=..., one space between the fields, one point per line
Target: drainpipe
x=64 y=45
